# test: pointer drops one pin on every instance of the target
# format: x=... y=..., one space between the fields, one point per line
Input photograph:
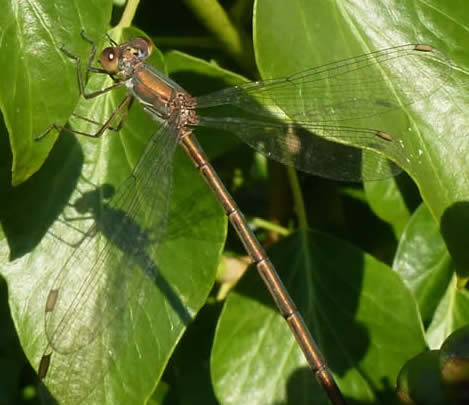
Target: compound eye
x=109 y=60
x=143 y=47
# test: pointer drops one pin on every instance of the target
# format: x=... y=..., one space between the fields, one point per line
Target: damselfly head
x=119 y=58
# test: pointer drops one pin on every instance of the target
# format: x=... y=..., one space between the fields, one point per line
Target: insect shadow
x=95 y=205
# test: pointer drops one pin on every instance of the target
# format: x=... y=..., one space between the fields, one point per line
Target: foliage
x=378 y=276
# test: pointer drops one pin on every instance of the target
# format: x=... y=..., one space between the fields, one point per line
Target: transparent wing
x=318 y=149
x=359 y=87
x=108 y=268
x=320 y=120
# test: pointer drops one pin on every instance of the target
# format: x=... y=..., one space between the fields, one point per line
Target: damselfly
x=278 y=121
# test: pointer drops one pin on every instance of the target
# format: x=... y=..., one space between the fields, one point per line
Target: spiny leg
x=119 y=126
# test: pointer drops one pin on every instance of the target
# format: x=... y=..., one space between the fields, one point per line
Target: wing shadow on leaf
x=85 y=350
x=106 y=217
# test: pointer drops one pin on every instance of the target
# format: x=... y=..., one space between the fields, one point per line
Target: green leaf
x=160 y=394
x=388 y=201
x=356 y=307
x=432 y=132
x=452 y=313
x=39 y=82
x=423 y=262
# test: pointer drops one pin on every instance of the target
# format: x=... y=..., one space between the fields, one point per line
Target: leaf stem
x=240 y=9
x=128 y=14
x=212 y=15
x=270 y=226
x=297 y=198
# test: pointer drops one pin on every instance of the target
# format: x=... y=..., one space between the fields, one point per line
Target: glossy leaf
x=432 y=130
x=451 y=314
x=423 y=262
x=387 y=200
x=39 y=83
